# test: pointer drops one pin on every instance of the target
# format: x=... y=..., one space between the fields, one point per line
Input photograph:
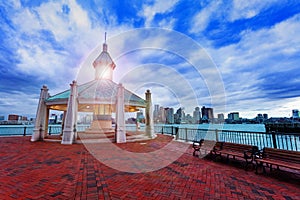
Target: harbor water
x=253 y=134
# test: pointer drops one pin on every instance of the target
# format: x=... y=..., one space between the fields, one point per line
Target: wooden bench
x=204 y=147
x=243 y=151
x=197 y=145
x=270 y=157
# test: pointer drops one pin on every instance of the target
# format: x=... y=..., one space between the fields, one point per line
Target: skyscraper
x=221 y=118
x=169 y=115
x=180 y=116
x=161 y=115
x=207 y=113
x=197 y=115
x=156 y=113
x=234 y=116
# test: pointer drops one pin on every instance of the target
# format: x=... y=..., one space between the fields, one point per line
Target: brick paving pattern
x=48 y=170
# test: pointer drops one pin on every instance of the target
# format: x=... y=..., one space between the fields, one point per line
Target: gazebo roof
x=104 y=58
x=99 y=91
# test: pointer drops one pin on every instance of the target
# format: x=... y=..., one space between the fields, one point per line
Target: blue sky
x=253 y=47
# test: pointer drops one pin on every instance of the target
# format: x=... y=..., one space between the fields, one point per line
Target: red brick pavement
x=46 y=170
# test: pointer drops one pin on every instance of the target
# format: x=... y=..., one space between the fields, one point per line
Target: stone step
x=96 y=135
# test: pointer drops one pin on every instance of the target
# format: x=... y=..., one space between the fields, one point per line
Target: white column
x=120 y=116
x=149 y=115
x=69 y=131
x=40 y=119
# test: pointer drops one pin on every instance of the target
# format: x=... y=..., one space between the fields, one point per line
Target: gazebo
x=101 y=96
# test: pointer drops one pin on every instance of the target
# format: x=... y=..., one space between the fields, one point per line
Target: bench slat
x=279 y=157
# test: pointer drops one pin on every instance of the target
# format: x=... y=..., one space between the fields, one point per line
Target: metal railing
x=27 y=130
x=288 y=141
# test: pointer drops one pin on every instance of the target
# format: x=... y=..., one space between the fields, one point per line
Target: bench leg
x=249 y=161
x=216 y=155
x=264 y=168
x=259 y=165
x=227 y=158
x=195 y=150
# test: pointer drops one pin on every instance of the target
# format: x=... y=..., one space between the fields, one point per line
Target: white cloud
x=167 y=23
x=37 y=54
x=243 y=9
x=262 y=46
x=159 y=7
x=225 y=11
x=70 y=39
x=203 y=17
x=13 y=103
x=245 y=66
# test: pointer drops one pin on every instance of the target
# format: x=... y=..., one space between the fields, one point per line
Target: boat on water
x=286 y=127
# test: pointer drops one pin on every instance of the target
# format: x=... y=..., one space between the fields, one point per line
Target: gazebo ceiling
x=99 y=91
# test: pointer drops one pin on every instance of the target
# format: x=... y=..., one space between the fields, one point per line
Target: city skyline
x=199 y=115
x=209 y=113
x=254 y=46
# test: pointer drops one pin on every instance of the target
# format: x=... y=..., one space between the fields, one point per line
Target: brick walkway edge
x=47 y=170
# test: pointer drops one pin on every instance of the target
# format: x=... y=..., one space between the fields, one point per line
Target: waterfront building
x=140 y=116
x=207 y=114
x=197 y=115
x=234 y=116
x=13 y=117
x=260 y=118
x=221 y=118
x=156 y=113
x=180 y=116
x=169 y=115
x=17 y=119
x=295 y=114
x=162 y=115
x=101 y=96
x=189 y=119
x=53 y=119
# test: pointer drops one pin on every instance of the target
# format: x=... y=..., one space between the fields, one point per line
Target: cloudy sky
x=231 y=55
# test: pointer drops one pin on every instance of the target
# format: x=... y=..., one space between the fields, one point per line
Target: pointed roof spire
x=104 y=63
x=104 y=44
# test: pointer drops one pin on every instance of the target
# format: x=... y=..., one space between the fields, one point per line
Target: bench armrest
x=197 y=143
x=258 y=154
x=248 y=154
x=217 y=148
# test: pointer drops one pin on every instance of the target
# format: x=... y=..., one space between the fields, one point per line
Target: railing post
x=24 y=133
x=186 y=135
x=172 y=130
x=75 y=130
x=162 y=130
x=217 y=135
x=50 y=130
x=177 y=132
x=274 y=139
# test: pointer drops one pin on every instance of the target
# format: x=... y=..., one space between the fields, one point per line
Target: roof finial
x=104 y=44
